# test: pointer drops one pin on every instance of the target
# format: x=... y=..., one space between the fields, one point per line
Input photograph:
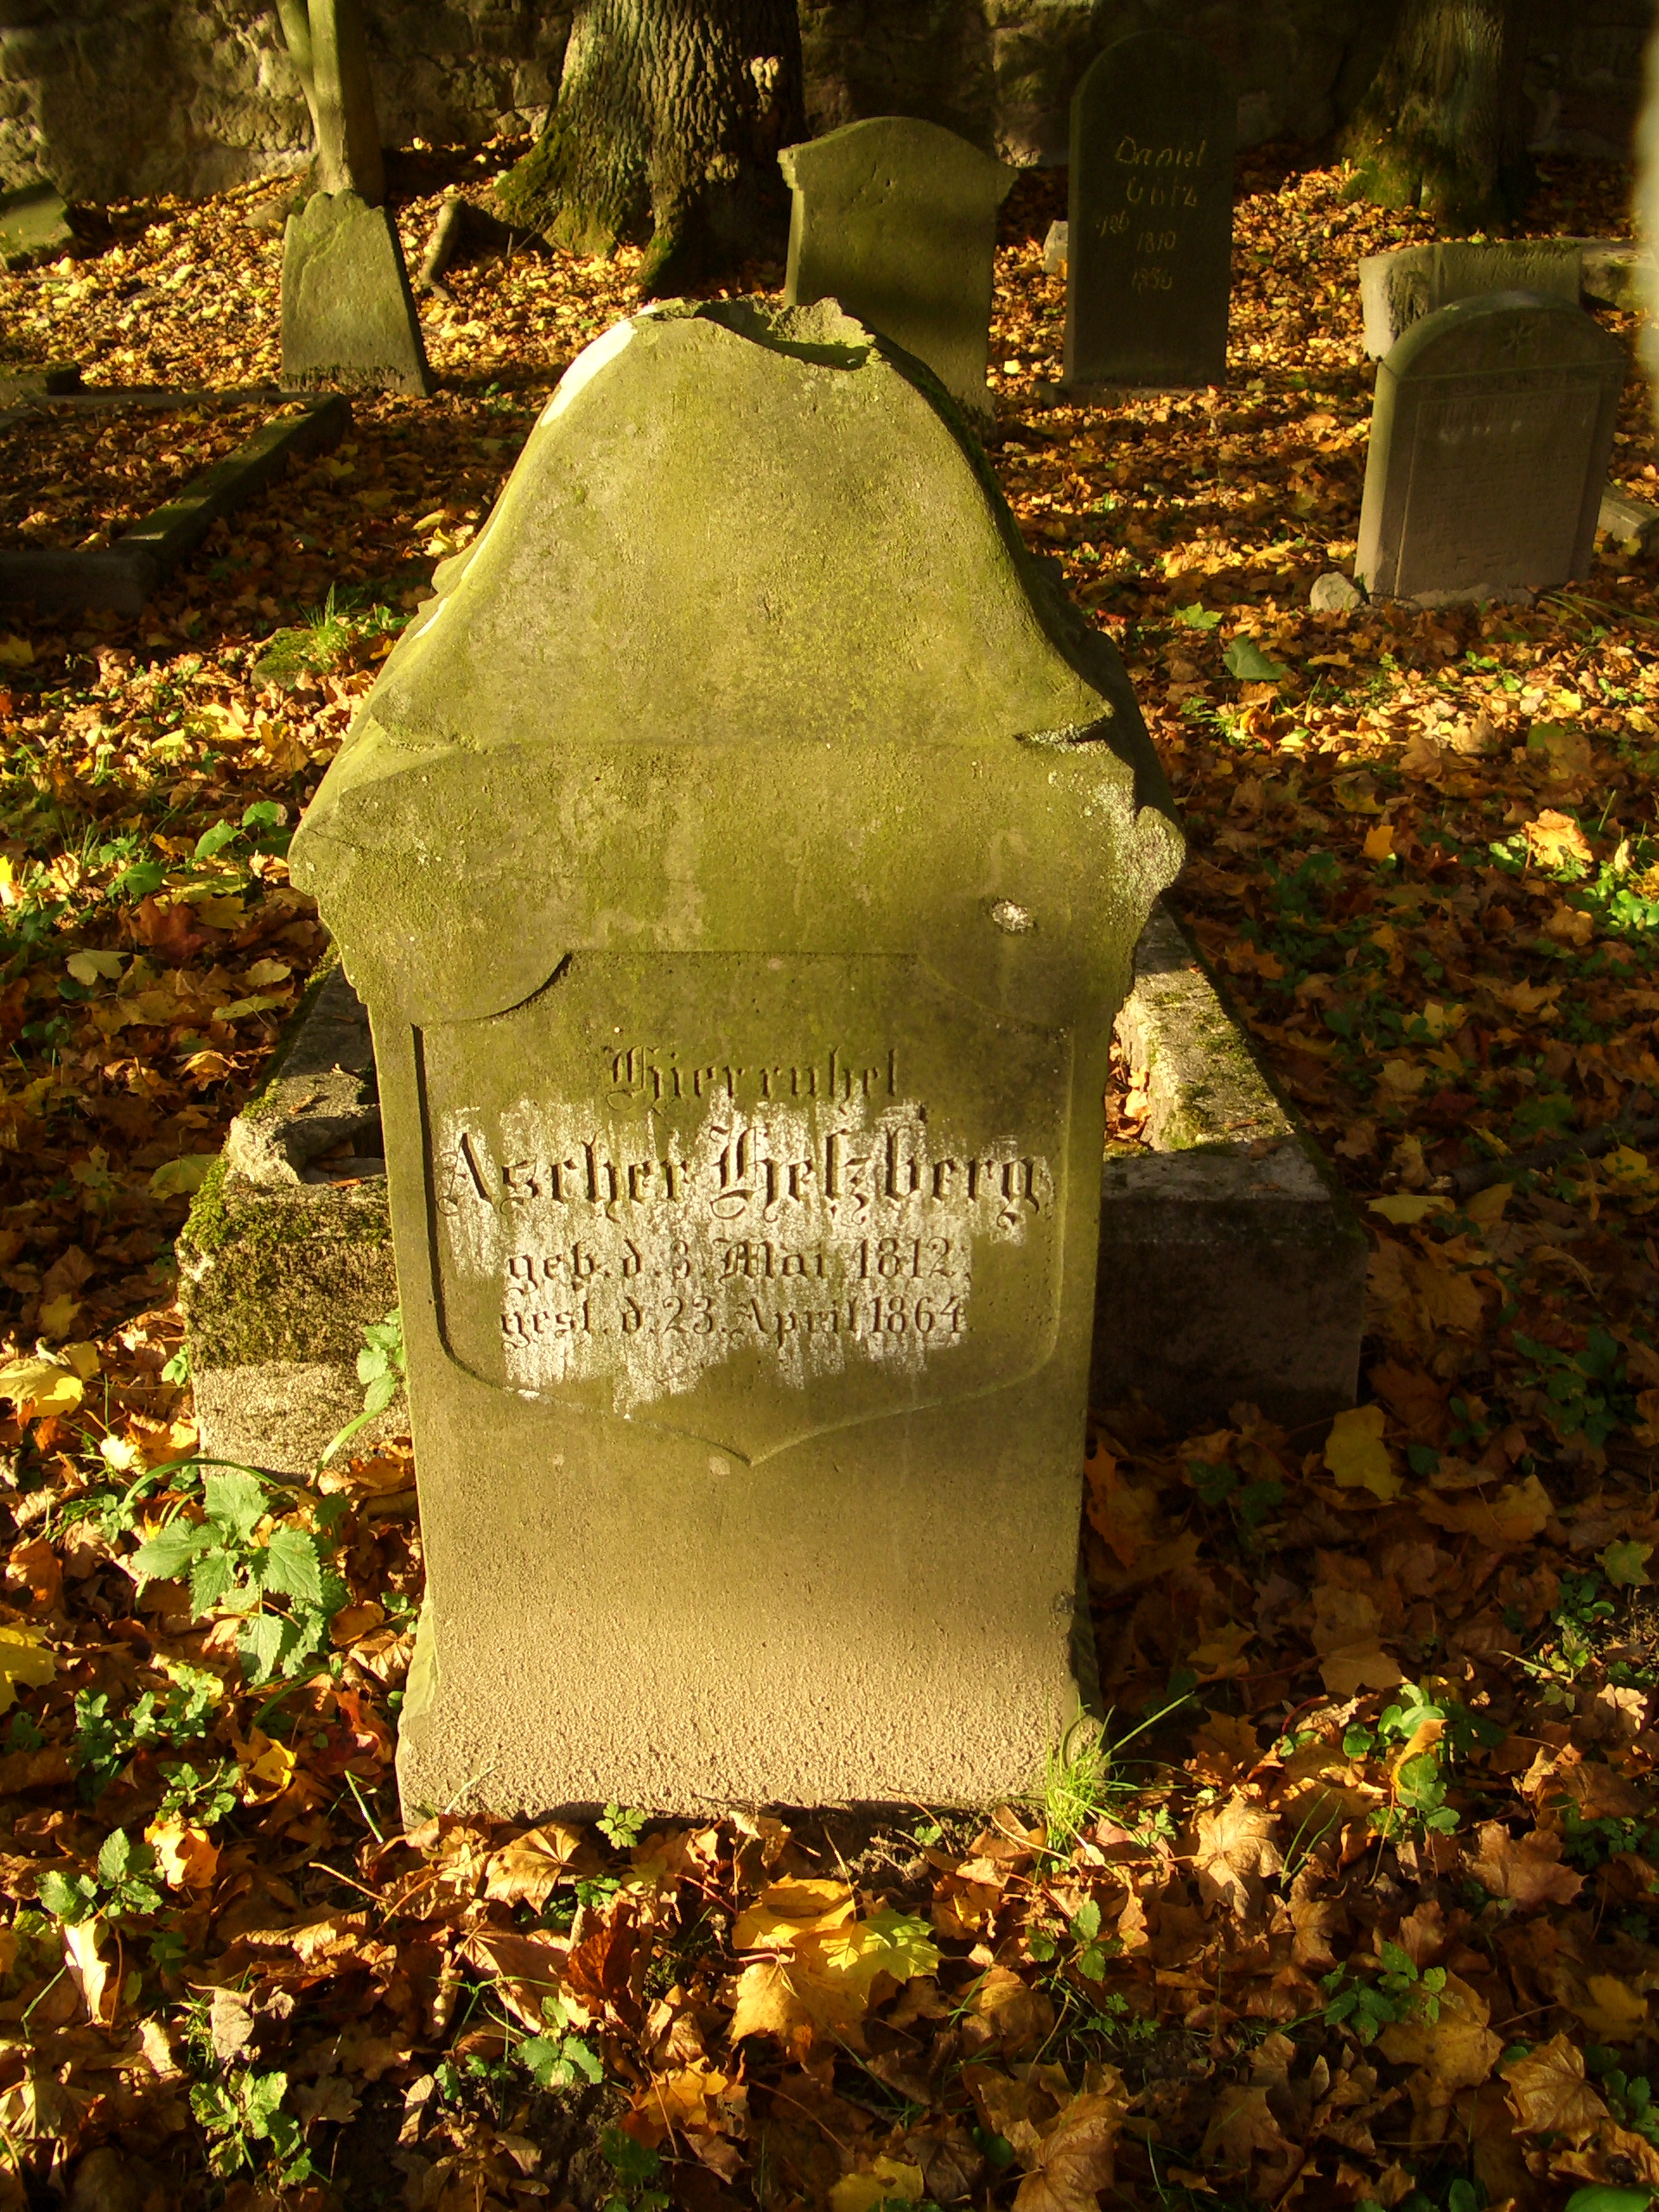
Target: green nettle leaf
x=380 y=1393
x=210 y=1580
x=261 y=1643
x=171 y=1551
x=294 y=1566
x=1195 y=617
x=236 y=1502
x=1245 y=659
x=1085 y=1921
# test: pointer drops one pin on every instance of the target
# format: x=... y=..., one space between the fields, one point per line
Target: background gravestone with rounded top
x=897 y=220
x=1149 y=236
x=742 y=861
x=349 y=320
x=1491 y=434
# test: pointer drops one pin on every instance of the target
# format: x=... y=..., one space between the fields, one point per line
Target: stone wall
x=118 y=98
x=113 y=98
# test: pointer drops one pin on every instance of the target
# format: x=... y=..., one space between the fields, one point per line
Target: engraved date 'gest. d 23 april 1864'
x=807 y=1211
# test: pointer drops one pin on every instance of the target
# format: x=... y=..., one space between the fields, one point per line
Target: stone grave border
x=1248 y=1259
x=123 y=578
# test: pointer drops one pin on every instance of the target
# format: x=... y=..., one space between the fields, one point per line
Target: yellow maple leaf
x=268 y=1765
x=187 y=1856
x=1406 y=1208
x=787 y=1911
x=1356 y=1456
x=529 y=1869
x=885 y=2180
x=1457 y=2049
x=1074 y=2161
x=1611 y=2009
x=22 y=1660
x=1548 y=2094
x=39 y=1385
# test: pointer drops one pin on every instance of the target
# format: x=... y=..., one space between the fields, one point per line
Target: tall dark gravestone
x=1491 y=434
x=1150 y=232
x=896 y=218
x=742 y=859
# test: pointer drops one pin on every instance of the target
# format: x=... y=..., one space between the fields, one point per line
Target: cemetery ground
x=1358 y=1903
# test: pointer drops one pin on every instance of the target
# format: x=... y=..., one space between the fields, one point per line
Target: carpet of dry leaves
x=1364 y=1908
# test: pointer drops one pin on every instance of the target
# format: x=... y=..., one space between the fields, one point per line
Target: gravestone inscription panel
x=741 y=861
x=1490 y=433
x=896 y=218
x=1149 y=236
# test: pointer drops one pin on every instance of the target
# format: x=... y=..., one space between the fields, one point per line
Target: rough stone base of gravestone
x=1247 y=1264
x=287 y=1254
x=349 y=320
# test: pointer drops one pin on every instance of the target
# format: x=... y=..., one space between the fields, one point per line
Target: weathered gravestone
x=1490 y=432
x=1399 y=289
x=741 y=862
x=349 y=320
x=1149 y=236
x=896 y=220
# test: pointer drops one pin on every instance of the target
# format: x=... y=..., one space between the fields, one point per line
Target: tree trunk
x=668 y=120
x=330 y=53
x=1443 y=126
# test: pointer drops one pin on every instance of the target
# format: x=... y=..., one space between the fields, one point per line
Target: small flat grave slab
x=1491 y=434
x=287 y=1255
x=34 y=225
x=896 y=218
x=273 y=427
x=1397 y=289
x=38 y=380
x=1149 y=231
x=349 y=319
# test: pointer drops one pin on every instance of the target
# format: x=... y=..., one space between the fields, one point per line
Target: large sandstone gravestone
x=741 y=862
x=896 y=220
x=349 y=320
x=1490 y=433
x=1149 y=226
x=1399 y=289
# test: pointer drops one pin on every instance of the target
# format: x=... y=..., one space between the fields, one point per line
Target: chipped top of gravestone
x=1397 y=289
x=349 y=319
x=734 y=529
x=895 y=218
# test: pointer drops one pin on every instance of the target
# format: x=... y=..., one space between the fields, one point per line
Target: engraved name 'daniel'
x=696 y=1207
